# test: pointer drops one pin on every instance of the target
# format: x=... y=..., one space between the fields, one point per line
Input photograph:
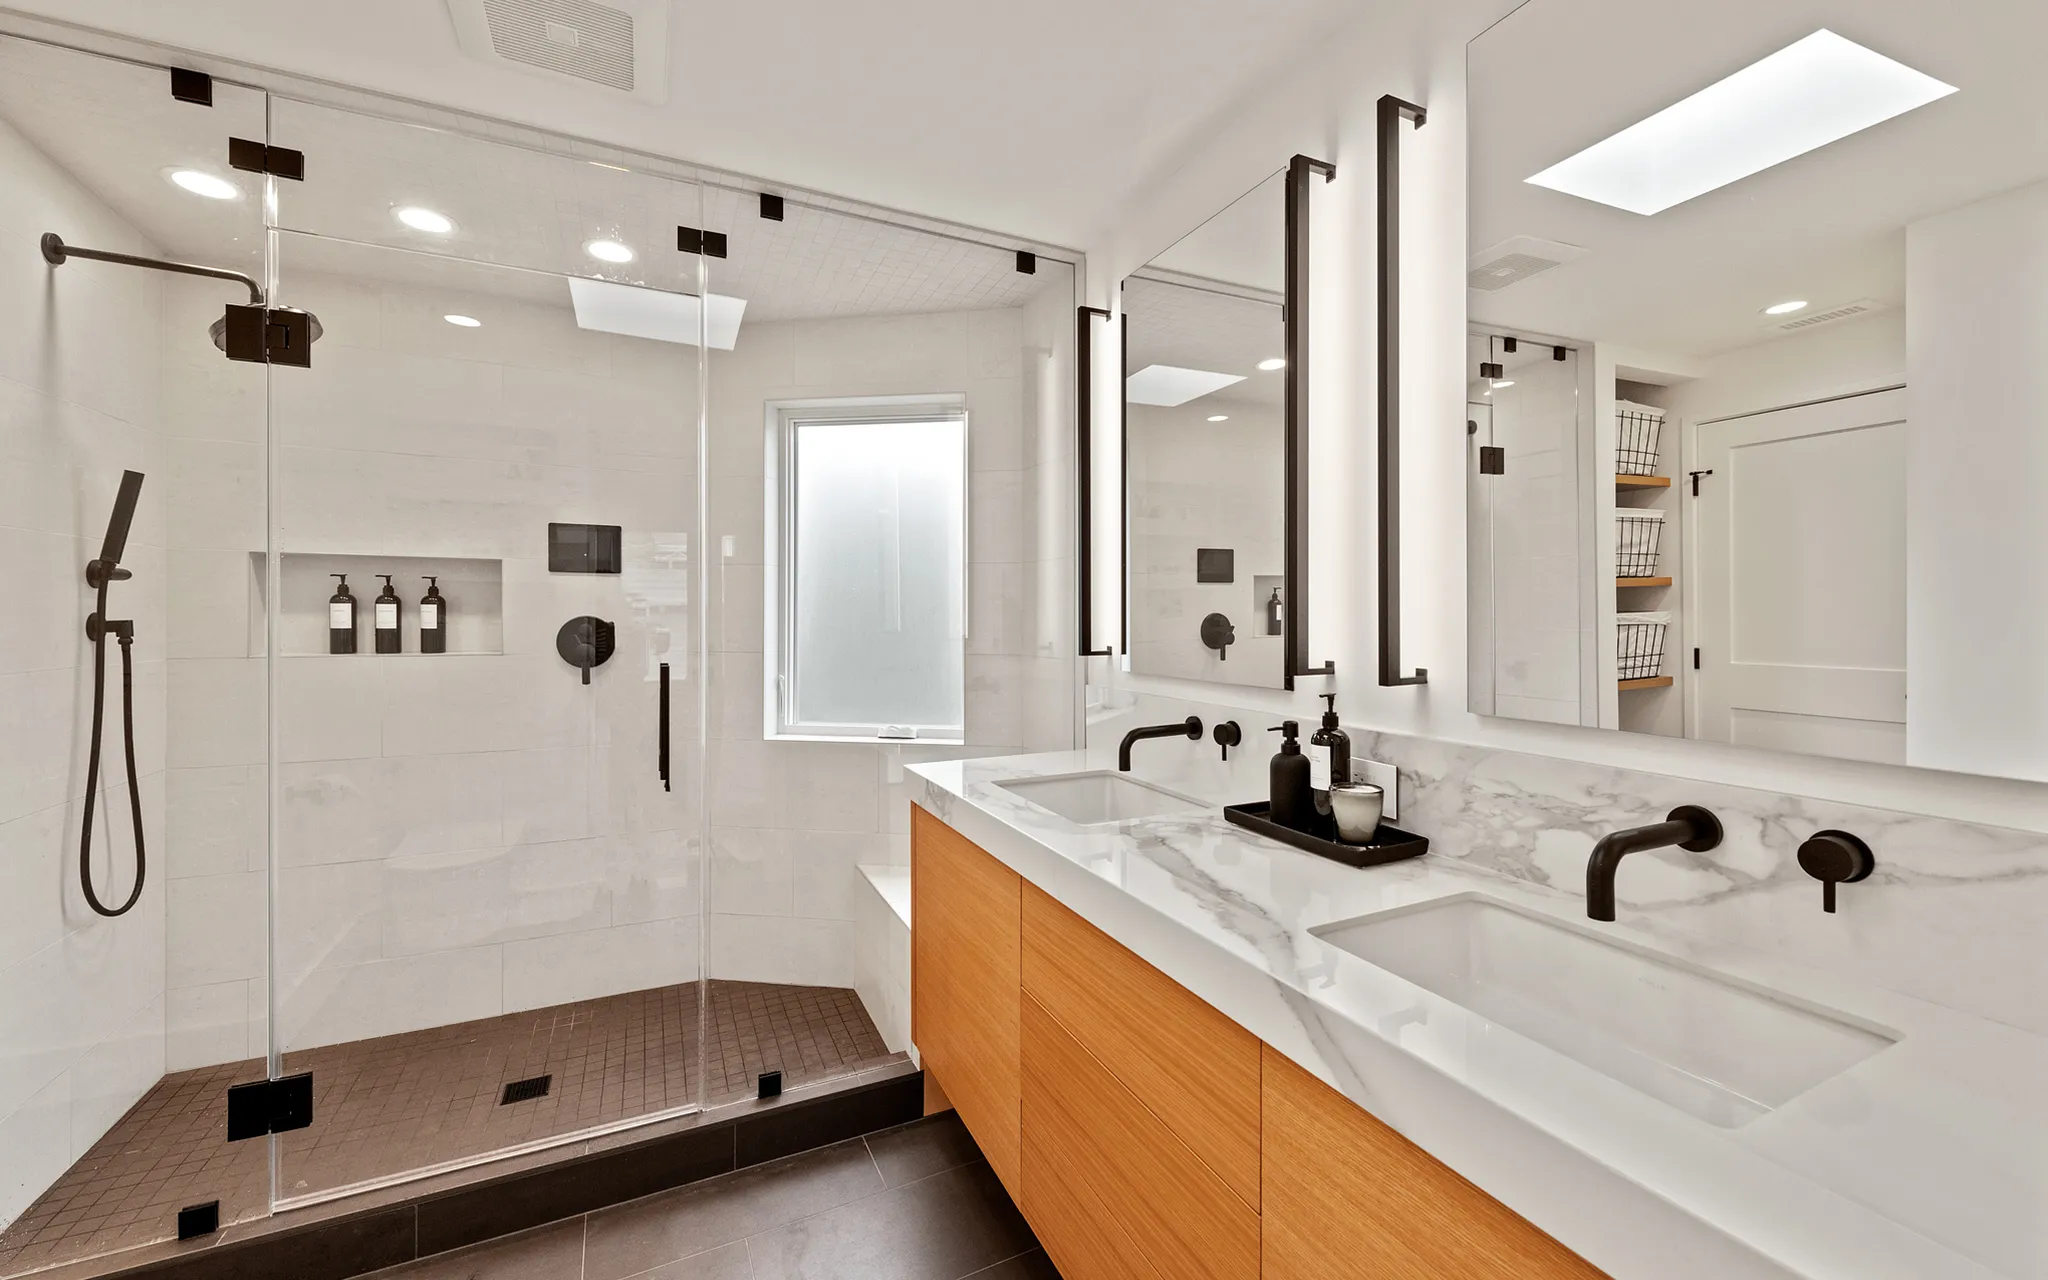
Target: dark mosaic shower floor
x=405 y=1102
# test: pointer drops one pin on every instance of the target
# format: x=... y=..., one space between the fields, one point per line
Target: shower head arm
x=56 y=253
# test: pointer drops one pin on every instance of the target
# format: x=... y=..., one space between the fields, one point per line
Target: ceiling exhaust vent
x=620 y=45
x=1826 y=315
x=1513 y=261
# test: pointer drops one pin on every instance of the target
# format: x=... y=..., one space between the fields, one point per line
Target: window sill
x=869 y=740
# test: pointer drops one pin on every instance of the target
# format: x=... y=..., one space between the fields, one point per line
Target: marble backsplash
x=1956 y=913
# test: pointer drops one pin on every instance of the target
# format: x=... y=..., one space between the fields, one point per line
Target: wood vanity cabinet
x=965 y=957
x=1144 y=1134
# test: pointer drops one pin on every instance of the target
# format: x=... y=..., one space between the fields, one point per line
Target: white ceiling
x=1827 y=227
x=1191 y=327
x=1035 y=122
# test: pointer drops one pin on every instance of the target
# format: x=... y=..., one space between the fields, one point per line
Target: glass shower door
x=487 y=886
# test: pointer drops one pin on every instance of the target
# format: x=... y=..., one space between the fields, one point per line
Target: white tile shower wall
x=1952 y=915
x=793 y=821
x=461 y=835
x=81 y=998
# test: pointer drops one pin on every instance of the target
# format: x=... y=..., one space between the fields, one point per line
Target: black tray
x=1389 y=844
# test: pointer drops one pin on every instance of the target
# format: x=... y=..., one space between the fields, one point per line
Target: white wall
x=1326 y=107
x=1977 y=613
x=81 y=998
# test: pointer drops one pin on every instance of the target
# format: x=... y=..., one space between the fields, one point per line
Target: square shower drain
x=522 y=1090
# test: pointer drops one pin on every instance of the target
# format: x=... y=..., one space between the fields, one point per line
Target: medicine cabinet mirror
x=1207 y=432
x=1757 y=298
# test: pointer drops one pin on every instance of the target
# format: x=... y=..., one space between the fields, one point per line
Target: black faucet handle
x=1835 y=857
x=1227 y=735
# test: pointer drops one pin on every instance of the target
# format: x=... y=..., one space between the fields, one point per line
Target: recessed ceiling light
x=427 y=220
x=200 y=183
x=608 y=251
x=1269 y=365
x=1219 y=417
x=1810 y=93
x=1785 y=308
x=464 y=322
x=1168 y=385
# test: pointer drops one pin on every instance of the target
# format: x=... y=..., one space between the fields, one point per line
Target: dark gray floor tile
x=550 y=1253
x=728 y=1263
x=923 y=1148
x=660 y=1229
x=1030 y=1266
x=946 y=1227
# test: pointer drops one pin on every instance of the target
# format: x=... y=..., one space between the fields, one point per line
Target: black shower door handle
x=661 y=743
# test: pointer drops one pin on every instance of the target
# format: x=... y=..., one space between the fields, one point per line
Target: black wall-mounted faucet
x=1190 y=728
x=1688 y=827
x=1227 y=735
x=1835 y=857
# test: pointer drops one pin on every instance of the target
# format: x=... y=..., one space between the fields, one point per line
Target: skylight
x=1813 y=92
x=655 y=313
x=1168 y=385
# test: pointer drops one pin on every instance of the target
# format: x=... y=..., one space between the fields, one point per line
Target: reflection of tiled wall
x=1195 y=484
x=465 y=835
x=81 y=998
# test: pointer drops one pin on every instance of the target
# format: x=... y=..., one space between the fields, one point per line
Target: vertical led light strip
x=1813 y=92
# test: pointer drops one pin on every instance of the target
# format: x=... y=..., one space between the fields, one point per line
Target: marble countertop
x=1928 y=1160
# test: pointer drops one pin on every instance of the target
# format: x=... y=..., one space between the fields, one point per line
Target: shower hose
x=125 y=633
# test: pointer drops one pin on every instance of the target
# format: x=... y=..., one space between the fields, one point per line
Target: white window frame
x=783 y=417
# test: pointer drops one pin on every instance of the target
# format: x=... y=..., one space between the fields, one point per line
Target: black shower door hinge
x=1027 y=263
x=261 y=335
x=258 y=157
x=1493 y=460
x=195 y=87
x=1695 y=659
x=270 y=1106
x=711 y=244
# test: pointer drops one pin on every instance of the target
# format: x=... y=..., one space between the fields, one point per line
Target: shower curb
x=332 y=1242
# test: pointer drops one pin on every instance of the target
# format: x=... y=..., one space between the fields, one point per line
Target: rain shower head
x=57 y=253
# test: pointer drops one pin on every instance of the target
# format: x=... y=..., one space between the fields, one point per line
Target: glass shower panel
x=119 y=1035
x=487 y=880
x=846 y=316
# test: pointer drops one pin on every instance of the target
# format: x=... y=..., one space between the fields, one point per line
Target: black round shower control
x=586 y=642
x=1835 y=857
x=1218 y=634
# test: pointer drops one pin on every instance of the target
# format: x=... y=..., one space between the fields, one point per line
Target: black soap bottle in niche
x=341 y=618
x=1329 y=757
x=1273 y=613
x=433 y=619
x=387 y=606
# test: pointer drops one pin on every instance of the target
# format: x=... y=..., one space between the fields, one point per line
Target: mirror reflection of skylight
x=1813 y=92
x=1168 y=385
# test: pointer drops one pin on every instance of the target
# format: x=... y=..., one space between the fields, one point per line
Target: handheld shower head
x=116 y=544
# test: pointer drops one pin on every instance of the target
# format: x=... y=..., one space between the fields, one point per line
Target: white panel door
x=1800 y=564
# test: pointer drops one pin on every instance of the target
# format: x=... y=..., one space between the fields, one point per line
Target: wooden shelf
x=1642 y=482
x=1647 y=682
x=1642 y=582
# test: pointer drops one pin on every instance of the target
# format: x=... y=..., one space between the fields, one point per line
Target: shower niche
x=474 y=591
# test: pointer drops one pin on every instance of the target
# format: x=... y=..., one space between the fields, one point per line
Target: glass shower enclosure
x=502 y=847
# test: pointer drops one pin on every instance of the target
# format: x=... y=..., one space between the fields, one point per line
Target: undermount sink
x=1089 y=799
x=1714 y=1047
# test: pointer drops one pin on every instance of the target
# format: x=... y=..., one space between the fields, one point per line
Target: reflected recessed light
x=1219 y=417
x=1806 y=95
x=464 y=322
x=1498 y=383
x=1268 y=366
x=205 y=184
x=608 y=251
x=1785 y=308
x=427 y=220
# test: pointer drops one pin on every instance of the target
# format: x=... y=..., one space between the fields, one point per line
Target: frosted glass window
x=875 y=587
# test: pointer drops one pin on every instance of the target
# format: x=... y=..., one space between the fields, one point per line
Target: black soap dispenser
x=1287 y=780
x=433 y=619
x=1329 y=757
x=1274 y=613
x=387 y=606
x=341 y=618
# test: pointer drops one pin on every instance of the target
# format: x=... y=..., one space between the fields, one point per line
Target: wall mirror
x=1757 y=302
x=1205 y=430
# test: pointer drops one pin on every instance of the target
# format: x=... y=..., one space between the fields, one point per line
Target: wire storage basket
x=1636 y=431
x=1636 y=538
x=1640 y=644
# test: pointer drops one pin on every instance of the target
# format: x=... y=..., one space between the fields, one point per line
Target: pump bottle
x=1329 y=757
x=387 y=607
x=433 y=619
x=341 y=618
